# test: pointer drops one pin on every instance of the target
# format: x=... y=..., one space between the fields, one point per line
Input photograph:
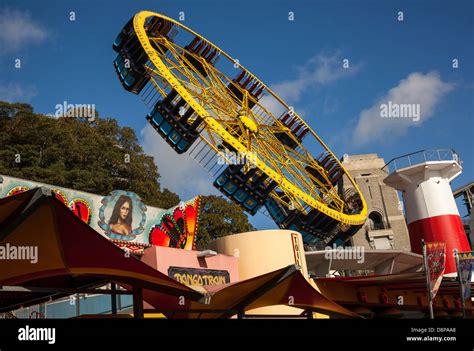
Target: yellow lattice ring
x=138 y=24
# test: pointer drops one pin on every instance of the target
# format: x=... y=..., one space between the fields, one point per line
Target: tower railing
x=431 y=155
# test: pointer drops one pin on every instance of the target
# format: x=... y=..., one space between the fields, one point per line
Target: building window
x=375 y=221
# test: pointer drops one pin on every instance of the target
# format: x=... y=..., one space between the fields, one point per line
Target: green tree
x=9 y=110
x=219 y=217
x=96 y=157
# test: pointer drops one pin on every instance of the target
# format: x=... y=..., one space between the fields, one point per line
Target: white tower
x=424 y=179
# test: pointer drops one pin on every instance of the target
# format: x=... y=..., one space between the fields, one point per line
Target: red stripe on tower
x=447 y=228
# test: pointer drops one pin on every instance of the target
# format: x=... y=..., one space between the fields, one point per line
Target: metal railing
x=421 y=156
x=31 y=312
x=67 y=307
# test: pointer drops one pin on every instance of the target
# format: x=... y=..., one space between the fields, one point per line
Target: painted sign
x=177 y=228
x=122 y=217
x=436 y=258
x=297 y=250
x=199 y=276
x=17 y=190
x=81 y=209
x=466 y=266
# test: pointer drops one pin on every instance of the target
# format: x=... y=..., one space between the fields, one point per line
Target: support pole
x=113 y=298
x=137 y=302
x=78 y=304
x=427 y=274
x=461 y=286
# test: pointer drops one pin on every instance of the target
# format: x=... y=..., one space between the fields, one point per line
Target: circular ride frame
x=213 y=124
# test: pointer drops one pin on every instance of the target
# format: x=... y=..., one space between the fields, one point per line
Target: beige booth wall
x=263 y=251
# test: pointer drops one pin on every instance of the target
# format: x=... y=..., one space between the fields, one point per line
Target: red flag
x=436 y=257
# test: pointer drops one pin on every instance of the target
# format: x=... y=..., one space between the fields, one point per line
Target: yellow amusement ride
x=206 y=104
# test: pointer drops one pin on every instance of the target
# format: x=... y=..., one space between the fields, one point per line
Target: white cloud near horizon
x=427 y=90
x=179 y=172
x=17 y=29
x=14 y=92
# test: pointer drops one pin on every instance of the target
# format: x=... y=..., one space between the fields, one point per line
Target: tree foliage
x=218 y=218
x=96 y=157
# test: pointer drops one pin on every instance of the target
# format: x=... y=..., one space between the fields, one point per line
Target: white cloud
x=19 y=29
x=330 y=105
x=272 y=105
x=318 y=71
x=424 y=89
x=179 y=173
x=14 y=92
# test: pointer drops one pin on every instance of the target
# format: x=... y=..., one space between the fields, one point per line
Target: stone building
x=385 y=228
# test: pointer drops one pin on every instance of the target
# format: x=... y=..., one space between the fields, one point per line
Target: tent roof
x=286 y=286
x=70 y=253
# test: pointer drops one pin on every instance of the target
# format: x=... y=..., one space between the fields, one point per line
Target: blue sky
x=301 y=59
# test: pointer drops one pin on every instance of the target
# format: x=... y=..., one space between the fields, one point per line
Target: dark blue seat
x=165 y=127
x=125 y=35
x=129 y=78
x=118 y=40
x=156 y=118
x=132 y=78
x=240 y=195
x=250 y=203
x=174 y=137
x=248 y=189
x=275 y=210
x=173 y=127
x=183 y=145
